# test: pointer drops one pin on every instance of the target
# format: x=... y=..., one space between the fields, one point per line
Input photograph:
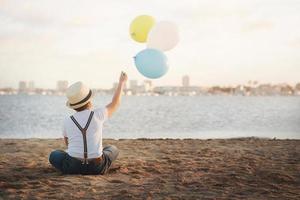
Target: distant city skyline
x=221 y=42
x=62 y=85
x=146 y=88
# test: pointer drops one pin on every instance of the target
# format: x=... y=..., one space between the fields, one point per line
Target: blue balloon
x=151 y=63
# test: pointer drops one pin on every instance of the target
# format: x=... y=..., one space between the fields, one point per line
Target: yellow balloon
x=140 y=27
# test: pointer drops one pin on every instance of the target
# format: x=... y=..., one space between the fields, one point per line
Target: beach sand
x=248 y=168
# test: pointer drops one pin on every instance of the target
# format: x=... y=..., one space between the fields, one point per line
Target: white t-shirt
x=93 y=135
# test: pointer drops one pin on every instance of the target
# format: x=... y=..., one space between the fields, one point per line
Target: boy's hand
x=123 y=77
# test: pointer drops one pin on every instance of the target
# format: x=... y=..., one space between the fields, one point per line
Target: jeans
x=69 y=165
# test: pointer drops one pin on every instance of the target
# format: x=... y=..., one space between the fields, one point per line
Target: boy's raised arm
x=112 y=107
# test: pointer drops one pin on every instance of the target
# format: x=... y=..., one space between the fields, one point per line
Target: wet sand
x=158 y=169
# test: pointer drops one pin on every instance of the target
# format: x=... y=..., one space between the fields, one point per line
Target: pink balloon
x=163 y=36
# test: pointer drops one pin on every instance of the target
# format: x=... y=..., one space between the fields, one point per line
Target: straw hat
x=78 y=95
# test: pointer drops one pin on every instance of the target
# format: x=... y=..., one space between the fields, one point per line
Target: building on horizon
x=148 y=85
x=22 y=86
x=186 y=81
x=133 y=84
x=31 y=86
x=136 y=88
x=62 y=86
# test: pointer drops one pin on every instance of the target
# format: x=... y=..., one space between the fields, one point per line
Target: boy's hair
x=83 y=107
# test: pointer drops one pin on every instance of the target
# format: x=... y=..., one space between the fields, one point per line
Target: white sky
x=222 y=42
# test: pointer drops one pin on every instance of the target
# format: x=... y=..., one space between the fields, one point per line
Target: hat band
x=83 y=100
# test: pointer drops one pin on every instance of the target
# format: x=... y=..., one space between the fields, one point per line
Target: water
x=38 y=116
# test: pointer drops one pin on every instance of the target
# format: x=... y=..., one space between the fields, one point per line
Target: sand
x=248 y=168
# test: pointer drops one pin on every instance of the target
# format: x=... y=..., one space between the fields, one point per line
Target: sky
x=221 y=42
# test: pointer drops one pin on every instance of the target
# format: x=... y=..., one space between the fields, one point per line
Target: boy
x=83 y=133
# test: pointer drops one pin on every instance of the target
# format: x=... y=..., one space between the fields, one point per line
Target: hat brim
x=68 y=104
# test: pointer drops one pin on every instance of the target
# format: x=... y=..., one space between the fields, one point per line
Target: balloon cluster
x=161 y=36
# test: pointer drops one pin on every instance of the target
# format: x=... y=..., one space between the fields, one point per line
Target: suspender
x=83 y=131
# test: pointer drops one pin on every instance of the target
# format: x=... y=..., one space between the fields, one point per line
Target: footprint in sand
x=116 y=181
x=49 y=170
x=34 y=183
x=10 y=143
x=153 y=170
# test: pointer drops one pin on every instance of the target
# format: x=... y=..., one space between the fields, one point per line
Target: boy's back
x=93 y=135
